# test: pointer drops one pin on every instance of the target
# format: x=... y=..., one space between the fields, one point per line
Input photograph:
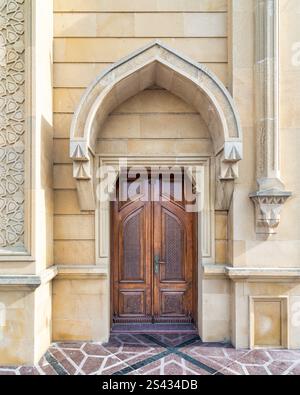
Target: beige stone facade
x=207 y=82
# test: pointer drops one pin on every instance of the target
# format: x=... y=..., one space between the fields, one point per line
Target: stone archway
x=160 y=65
x=157 y=65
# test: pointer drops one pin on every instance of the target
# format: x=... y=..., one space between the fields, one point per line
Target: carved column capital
x=268 y=206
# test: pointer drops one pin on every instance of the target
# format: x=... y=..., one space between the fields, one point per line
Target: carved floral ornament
x=12 y=124
x=160 y=65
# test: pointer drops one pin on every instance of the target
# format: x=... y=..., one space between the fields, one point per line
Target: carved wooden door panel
x=173 y=259
x=131 y=253
x=153 y=259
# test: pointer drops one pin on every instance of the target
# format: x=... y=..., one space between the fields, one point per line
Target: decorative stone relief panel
x=12 y=125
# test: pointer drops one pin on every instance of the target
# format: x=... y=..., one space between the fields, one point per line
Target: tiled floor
x=159 y=355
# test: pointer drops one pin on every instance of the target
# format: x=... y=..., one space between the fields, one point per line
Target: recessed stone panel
x=268 y=322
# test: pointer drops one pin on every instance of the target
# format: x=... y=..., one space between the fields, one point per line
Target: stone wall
x=267 y=265
x=89 y=36
x=26 y=198
x=251 y=294
x=227 y=38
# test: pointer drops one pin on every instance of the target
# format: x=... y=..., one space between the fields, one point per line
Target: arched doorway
x=157 y=66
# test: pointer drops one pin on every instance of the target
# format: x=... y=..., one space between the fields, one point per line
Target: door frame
x=205 y=191
x=115 y=261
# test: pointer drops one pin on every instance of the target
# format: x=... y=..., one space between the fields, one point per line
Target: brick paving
x=148 y=354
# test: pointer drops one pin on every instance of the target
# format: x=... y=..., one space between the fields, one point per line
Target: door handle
x=156 y=264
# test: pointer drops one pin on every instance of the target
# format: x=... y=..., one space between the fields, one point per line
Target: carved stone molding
x=75 y=272
x=12 y=125
x=229 y=159
x=204 y=194
x=27 y=282
x=155 y=64
x=227 y=171
x=271 y=194
x=257 y=274
x=252 y=274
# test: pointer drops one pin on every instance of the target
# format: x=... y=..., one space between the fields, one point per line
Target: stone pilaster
x=271 y=194
x=26 y=217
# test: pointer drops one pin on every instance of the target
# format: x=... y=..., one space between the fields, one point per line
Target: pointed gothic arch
x=160 y=65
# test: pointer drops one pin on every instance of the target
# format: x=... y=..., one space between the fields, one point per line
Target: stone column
x=271 y=194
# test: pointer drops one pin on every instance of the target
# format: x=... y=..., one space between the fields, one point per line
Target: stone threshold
x=139 y=328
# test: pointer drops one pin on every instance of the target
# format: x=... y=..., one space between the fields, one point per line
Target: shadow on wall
x=45 y=197
x=2 y=320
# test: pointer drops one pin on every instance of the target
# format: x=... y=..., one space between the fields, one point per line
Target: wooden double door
x=154 y=268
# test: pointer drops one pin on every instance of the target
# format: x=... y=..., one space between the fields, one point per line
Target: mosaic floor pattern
x=131 y=354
